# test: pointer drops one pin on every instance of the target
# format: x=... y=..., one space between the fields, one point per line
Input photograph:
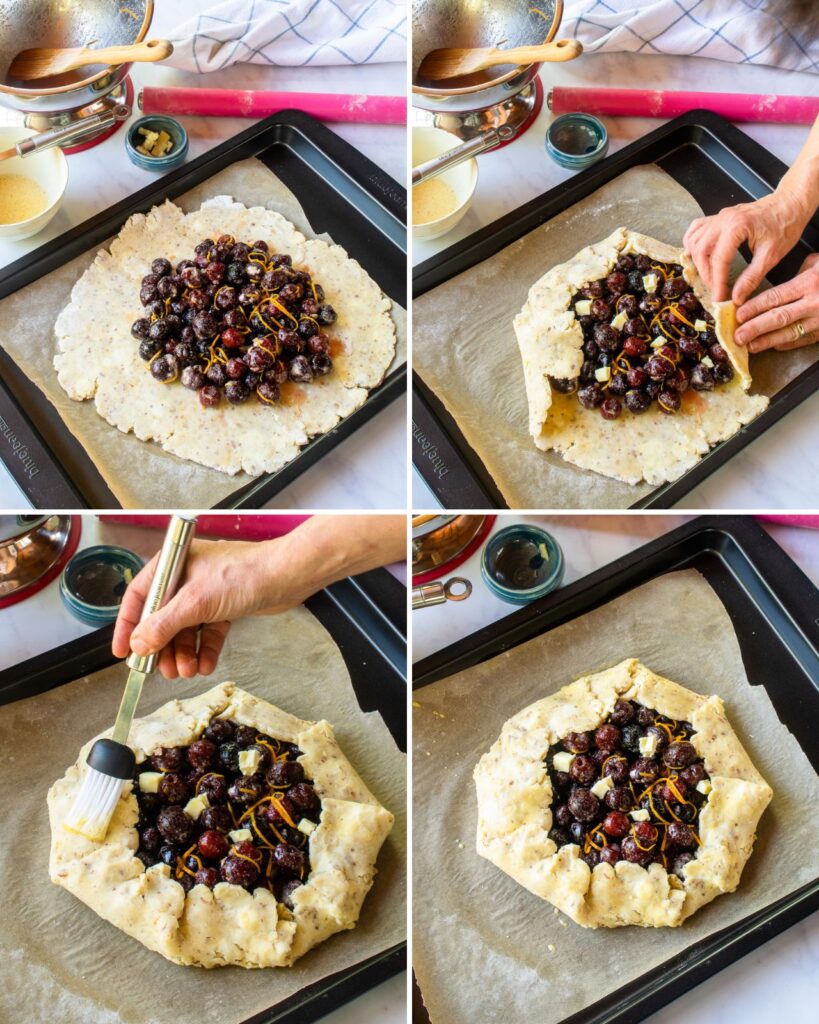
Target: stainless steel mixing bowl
x=67 y=23
x=476 y=23
x=30 y=546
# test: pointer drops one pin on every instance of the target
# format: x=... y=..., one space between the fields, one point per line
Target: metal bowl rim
x=75 y=86
x=28 y=528
x=501 y=79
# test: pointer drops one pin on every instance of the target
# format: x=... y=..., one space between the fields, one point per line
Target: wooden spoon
x=43 y=62
x=451 y=62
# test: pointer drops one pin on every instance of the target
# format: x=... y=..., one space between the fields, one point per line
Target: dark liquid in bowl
x=520 y=564
x=100 y=585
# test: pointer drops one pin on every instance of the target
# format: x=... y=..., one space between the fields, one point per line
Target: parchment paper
x=140 y=473
x=464 y=345
x=58 y=960
x=517 y=958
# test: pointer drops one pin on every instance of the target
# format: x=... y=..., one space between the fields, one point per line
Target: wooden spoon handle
x=152 y=50
x=559 y=50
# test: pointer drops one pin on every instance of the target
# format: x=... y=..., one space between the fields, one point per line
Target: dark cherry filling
x=270 y=804
x=662 y=783
x=235 y=320
x=642 y=346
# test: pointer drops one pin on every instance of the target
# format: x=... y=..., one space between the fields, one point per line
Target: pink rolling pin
x=734 y=106
x=239 y=526
x=248 y=103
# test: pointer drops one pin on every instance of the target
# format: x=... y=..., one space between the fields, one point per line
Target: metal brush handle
x=169 y=568
x=428 y=594
x=452 y=157
x=73 y=133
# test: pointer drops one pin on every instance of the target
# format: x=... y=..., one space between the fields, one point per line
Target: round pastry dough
x=652 y=446
x=226 y=925
x=97 y=357
x=515 y=796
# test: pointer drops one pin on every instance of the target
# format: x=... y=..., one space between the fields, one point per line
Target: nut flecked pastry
x=631 y=368
x=246 y=837
x=622 y=799
x=105 y=331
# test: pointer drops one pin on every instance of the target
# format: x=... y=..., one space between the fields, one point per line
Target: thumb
x=753 y=275
x=153 y=633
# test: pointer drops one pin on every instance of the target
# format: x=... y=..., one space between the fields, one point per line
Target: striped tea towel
x=291 y=33
x=779 y=33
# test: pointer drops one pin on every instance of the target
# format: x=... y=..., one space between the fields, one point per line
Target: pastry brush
x=111 y=762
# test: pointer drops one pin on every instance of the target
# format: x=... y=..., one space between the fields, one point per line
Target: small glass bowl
x=521 y=563
x=94 y=580
x=156 y=123
x=576 y=141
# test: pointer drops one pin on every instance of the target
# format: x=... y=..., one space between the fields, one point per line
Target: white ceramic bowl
x=462 y=179
x=49 y=169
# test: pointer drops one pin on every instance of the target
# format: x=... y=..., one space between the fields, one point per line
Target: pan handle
x=480 y=144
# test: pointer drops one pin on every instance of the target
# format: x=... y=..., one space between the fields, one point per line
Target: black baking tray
x=774 y=609
x=366 y=616
x=720 y=166
x=342 y=192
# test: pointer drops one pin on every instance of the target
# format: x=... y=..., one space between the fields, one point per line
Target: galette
x=631 y=368
x=622 y=799
x=246 y=836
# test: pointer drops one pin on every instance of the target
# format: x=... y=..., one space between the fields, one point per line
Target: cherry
x=583 y=804
x=607 y=737
x=616 y=824
x=213 y=844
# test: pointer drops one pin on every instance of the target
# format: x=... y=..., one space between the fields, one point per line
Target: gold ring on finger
x=800 y=330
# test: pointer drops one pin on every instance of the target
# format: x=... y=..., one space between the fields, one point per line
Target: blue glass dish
x=156 y=123
x=576 y=141
x=94 y=581
x=521 y=563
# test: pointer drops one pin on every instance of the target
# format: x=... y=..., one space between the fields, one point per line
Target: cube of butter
x=149 y=782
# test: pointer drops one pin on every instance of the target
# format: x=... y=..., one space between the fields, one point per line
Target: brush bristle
x=94 y=804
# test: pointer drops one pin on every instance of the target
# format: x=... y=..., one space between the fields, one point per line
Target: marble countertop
x=778 y=980
x=368 y=470
x=778 y=470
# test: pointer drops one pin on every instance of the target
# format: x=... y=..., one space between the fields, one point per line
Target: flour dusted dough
x=515 y=794
x=652 y=446
x=97 y=357
x=226 y=925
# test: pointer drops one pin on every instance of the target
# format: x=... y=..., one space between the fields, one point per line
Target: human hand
x=773 y=318
x=771 y=226
x=226 y=580
x=223 y=580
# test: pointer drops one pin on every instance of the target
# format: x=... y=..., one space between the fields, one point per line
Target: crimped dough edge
x=514 y=796
x=226 y=925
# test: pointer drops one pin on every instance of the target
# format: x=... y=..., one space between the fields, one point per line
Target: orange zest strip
x=272 y=745
x=201 y=779
x=243 y=856
x=622 y=363
x=282 y=309
x=667 y=728
x=672 y=785
x=181 y=866
x=282 y=810
x=258 y=832
x=279 y=327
